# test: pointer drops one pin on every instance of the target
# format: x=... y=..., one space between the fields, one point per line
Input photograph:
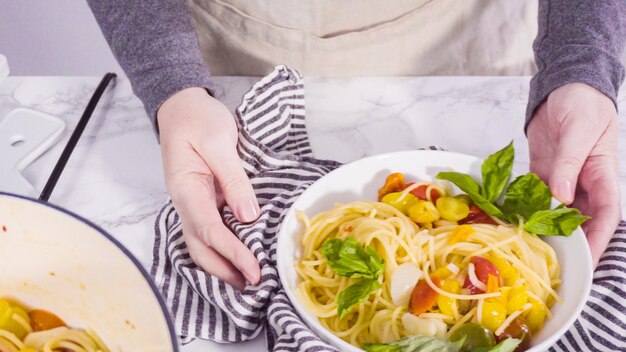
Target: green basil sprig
x=348 y=258
x=527 y=198
x=419 y=343
x=496 y=172
x=415 y=343
x=355 y=294
x=555 y=222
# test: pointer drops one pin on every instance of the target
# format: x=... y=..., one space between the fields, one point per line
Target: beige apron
x=367 y=37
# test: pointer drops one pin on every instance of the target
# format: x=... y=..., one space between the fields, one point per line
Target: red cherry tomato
x=477 y=216
x=482 y=267
x=420 y=192
x=423 y=296
x=473 y=289
x=518 y=329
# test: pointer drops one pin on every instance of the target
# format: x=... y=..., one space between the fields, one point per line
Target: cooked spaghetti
x=440 y=272
x=42 y=331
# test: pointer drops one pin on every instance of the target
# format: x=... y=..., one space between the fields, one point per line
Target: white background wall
x=53 y=37
x=56 y=37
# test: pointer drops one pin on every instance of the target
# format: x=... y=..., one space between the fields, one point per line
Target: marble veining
x=114 y=177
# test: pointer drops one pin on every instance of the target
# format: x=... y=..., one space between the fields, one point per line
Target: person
x=572 y=123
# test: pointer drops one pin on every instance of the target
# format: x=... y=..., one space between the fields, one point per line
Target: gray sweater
x=155 y=43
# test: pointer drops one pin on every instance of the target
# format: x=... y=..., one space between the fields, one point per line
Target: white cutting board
x=24 y=135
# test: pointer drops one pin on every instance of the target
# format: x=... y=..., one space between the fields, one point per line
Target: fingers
x=600 y=229
x=222 y=159
x=196 y=205
x=600 y=199
x=574 y=146
x=212 y=262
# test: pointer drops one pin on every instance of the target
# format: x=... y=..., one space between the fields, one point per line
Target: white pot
x=55 y=260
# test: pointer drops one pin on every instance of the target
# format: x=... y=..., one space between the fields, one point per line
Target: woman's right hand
x=203 y=172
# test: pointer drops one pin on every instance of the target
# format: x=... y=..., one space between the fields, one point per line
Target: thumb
x=573 y=148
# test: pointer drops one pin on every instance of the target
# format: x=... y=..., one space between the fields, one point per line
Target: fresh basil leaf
x=348 y=258
x=415 y=344
x=355 y=294
x=468 y=185
x=525 y=196
x=556 y=222
x=508 y=345
x=496 y=170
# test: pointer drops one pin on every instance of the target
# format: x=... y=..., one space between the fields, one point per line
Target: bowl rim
x=129 y=255
x=337 y=342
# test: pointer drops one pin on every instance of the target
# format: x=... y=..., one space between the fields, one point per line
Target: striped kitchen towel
x=274 y=147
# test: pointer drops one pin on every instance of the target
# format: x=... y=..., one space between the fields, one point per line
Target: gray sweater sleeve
x=579 y=41
x=156 y=45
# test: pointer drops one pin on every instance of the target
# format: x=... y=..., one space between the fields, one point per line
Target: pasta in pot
x=42 y=331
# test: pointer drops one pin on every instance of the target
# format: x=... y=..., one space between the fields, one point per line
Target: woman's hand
x=573 y=147
x=202 y=170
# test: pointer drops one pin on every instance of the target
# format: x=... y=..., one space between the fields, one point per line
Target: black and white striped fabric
x=274 y=147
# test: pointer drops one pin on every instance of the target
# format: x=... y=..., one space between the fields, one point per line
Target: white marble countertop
x=114 y=177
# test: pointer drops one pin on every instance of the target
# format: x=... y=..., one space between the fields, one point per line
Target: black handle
x=78 y=131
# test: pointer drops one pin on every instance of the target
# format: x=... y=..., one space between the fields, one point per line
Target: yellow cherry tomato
x=508 y=273
x=448 y=305
x=536 y=316
x=452 y=209
x=461 y=234
x=464 y=198
x=492 y=283
x=504 y=296
x=518 y=297
x=423 y=212
x=493 y=315
x=442 y=272
x=8 y=320
x=399 y=202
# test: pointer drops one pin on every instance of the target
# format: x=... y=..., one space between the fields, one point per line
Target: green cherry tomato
x=475 y=336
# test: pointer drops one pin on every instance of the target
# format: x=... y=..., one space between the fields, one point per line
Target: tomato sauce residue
x=4 y=228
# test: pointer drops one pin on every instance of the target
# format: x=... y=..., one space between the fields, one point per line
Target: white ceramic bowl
x=55 y=260
x=361 y=179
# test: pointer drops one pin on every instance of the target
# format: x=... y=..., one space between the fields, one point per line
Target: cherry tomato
x=402 y=203
x=518 y=329
x=477 y=216
x=393 y=183
x=420 y=192
x=423 y=296
x=483 y=268
x=473 y=289
x=41 y=320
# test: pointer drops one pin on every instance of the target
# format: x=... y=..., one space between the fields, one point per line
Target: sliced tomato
x=469 y=285
x=393 y=183
x=477 y=216
x=420 y=192
x=518 y=329
x=423 y=296
x=483 y=268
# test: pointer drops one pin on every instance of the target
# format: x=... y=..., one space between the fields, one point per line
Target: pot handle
x=78 y=131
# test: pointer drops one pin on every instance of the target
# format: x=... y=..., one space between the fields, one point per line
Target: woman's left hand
x=573 y=147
